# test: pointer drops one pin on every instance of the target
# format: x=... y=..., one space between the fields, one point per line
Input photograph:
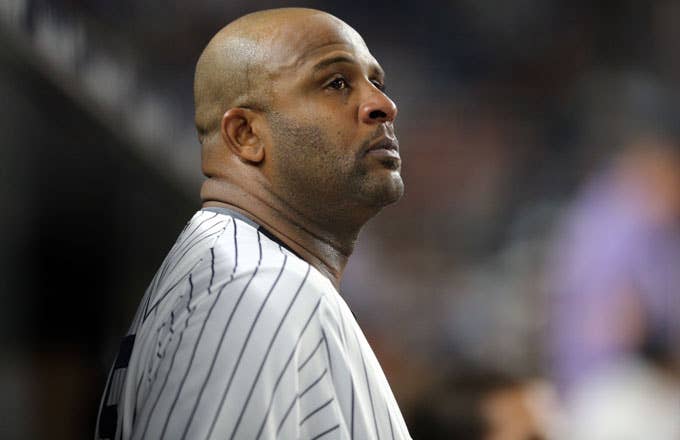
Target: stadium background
x=507 y=112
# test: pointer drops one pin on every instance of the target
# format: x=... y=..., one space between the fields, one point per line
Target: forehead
x=303 y=40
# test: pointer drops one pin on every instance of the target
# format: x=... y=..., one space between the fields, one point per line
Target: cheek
x=337 y=137
x=338 y=115
x=318 y=139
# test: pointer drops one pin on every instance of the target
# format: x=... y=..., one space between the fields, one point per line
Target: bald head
x=295 y=124
x=238 y=64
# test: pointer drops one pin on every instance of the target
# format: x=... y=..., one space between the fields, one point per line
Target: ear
x=240 y=135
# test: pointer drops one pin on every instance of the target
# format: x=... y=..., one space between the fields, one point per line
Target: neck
x=326 y=249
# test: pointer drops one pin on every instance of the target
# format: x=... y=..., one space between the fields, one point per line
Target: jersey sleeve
x=331 y=402
x=346 y=376
x=302 y=400
x=324 y=396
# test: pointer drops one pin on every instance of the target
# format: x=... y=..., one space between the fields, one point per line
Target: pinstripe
x=316 y=410
x=352 y=416
x=140 y=316
x=245 y=345
x=170 y=289
x=224 y=332
x=198 y=339
x=368 y=387
x=178 y=246
x=302 y=365
x=193 y=244
x=212 y=269
x=172 y=362
x=193 y=353
x=285 y=415
x=184 y=382
x=233 y=271
x=196 y=228
x=139 y=384
x=342 y=322
x=150 y=294
x=328 y=351
x=271 y=343
x=188 y=238
x=311 y=385
x=285 y=367
x=328 y=431
x=152 y=379
x=170 y=258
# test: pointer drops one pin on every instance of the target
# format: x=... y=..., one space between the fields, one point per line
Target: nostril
x=377 y=114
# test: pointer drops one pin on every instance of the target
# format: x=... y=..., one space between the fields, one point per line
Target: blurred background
x=526 y=287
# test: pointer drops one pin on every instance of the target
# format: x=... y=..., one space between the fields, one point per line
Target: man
x=242 y=333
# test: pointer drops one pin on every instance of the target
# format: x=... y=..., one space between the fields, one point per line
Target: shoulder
x=194 y=246
x=274 y=285
x=224 y=270
x=240 y=272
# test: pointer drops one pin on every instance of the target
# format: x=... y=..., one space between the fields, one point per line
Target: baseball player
x=242 y=333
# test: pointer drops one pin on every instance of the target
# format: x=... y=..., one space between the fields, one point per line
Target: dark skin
x=297 y=131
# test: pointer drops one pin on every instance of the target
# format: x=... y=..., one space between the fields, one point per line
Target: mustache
x=377 y=134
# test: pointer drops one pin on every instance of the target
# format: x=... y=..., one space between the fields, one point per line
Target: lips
x=386 y=152
x=385 y=143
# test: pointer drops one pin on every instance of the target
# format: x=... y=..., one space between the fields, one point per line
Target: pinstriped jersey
x=239 y=338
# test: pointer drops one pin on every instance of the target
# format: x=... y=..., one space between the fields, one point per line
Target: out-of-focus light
x=13 y=13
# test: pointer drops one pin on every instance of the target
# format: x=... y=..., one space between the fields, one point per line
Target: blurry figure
x=484 y=406
x=615 y=280
x=632 y=400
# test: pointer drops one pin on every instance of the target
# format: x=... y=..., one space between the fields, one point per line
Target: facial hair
x=315 y=170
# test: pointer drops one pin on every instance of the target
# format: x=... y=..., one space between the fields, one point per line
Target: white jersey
x=239 y=338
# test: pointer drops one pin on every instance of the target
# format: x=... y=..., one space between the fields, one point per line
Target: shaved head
x=238 y=64
x=291 y=110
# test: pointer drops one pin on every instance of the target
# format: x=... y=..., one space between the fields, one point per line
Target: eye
x=380 y=86
x=339 y=83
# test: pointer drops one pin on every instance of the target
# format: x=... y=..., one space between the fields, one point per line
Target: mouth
x=386 y=151
x=385 y=143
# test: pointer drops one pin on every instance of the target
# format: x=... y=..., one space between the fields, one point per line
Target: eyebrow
x=344 y=59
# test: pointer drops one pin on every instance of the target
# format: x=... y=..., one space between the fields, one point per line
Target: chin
x=386 y=191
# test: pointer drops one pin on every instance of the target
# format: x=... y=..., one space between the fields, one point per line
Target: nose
x=377 y=108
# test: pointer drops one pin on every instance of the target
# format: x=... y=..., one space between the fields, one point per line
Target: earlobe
x=239 y=135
